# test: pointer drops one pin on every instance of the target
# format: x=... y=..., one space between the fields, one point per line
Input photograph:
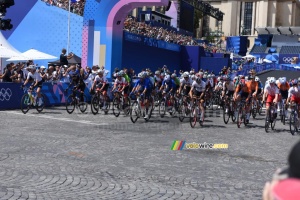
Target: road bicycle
x=76 y=100
x=100 y=102
x=241 y=116
x=184 y=107
x=138 y=109
x=270 y=118
x=283 y=110
x=120 y=103
x=196 y=113
x=228 y=110
x=30 y=99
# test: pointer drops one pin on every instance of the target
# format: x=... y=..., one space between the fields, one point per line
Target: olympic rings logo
x=287 y=59
x=5 y=94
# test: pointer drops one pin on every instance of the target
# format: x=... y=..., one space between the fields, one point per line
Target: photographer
x=18 y=73
x=63 y=58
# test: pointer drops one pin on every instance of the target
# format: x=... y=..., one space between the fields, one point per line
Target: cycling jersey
x=121 y=83
x=187 y=82
x=283 y=86
x=200 y=87
x=157 y=79
x=272 y=90
x=177 y=81
x=294 y=91
x=252 y=85
x=101 y=80
x=36 y=76
x=145 y=84
x=228 y=86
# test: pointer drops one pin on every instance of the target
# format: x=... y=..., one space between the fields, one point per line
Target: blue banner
x=287 y=58
x=151 y=42
x=11 y=94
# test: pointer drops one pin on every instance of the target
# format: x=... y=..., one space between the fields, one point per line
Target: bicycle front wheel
x=40 y=103
x=116 y=107
x=95 y=105
x=226 y=114
x=293 y=123
x=82 y=105
x=240 y=117
x=70 y=104
x=162 y=108
x=193 y=118
x=134 y=111
x=25 y=103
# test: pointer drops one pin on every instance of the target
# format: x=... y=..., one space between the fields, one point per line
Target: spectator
x=63 y=58
x=7 y=76
x=289 y=177
x=18 y=73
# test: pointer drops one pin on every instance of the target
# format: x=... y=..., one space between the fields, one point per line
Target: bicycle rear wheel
x=126 y=106
x=40 y=103
x=282 y=117
x=181 y=111
x=267 y=124
x=134 y=112
x=25 y=103
x=254 y=111
x=70 y=104
x=95 y=105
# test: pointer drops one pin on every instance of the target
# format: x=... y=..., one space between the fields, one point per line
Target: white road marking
x=56 y=118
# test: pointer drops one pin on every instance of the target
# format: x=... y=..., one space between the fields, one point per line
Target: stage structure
x=102 y=33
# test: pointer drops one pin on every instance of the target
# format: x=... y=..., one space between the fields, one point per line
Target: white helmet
x=219 y=78
x=157 y=72
x=184 y=75
x=141 y=75
x=277 y=82
x=193 y=77
x=283 y=80
x=257 y=78
x=272 y=80
x=167 y=78
x=246 y=78
x=220 y=84
x=236 y=78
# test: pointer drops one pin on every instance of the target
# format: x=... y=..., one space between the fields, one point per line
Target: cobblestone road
x=54 y=155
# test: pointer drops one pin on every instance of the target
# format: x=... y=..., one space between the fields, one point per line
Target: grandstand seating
x=285 y=40
x=258 y=49
x=290 y=49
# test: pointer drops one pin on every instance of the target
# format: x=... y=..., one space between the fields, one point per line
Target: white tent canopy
x=33 y=54
x=6 y=52
x=4 y=43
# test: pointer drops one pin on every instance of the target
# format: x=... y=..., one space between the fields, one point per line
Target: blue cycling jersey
x=145 y=84
x=171 y=84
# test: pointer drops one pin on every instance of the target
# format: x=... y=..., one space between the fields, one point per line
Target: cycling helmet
x=185 y=75
x=236 y=78
x=167 y=78
x=272 y=80
x=163 y=74
x=220 y=84
x=220 y=78
x=246 y=78
x=121 y=73
x=299 y=79
x=173 y=75
x=141 y=75
x=295 y=82
x=157 y=72
x=192 y=72
x=208 y=76
x=212 y=75
x=193 y=77
x=257 y=78
x=198 y=80
x=250 y=77
x=100 y=71
x=283 y=79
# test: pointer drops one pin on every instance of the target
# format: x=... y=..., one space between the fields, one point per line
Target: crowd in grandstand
x=133 y=26
x=77 y=6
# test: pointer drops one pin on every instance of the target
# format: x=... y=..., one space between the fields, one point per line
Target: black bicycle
x=76 y=100
x=270 y=118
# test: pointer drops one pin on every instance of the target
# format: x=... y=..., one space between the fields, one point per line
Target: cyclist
x=101 y=84
x=77 y=77
x=259 y=91
x=242 y=91
x=185 y=84
x=294 y=94
x=283 y=92
x=228 y=89
x=169 y=87
x=144 y=87
x=37 y=82
x=176 y=81
x=253 y=85
x=271 y=92
x=197 y=90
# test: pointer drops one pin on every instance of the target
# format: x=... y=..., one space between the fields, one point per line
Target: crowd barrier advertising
x=11 y=94
x=287 y=58
x=151 y=42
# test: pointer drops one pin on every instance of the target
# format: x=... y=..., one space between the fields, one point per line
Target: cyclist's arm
x=103 y=85
x=191 y=92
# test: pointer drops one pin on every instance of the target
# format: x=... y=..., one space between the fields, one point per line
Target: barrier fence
x=11 y=94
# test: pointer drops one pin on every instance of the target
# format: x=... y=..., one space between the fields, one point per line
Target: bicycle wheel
x=126 y=106
x=106 y=106
x=116 y=107
x=134 y=112
x=260 y=107
x=70 y=104
x=226 y=114
x=282 y=117
x=82 y=105
x=201 y=121
x=267 y=124
x=193 y=117
x=162 y=108
x=95 y=104
x=40 y=103
x=240 y=117
x=273 y=124
x=181 y=112
x=151 y=107
x=254 y=111
x=293 y=123
x=25 y=103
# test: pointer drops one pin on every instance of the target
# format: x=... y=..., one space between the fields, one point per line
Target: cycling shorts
x=243 y=95
x=295 y=99
x=100 y=86
x=284 y=94
x=270 y=99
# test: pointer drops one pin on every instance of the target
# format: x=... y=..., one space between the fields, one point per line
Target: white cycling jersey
x=294 y=91
x=229 y=86
x=36 y=76
x=272 y=90
x=101 y=80
x=188 y=82
x=200 y=87
x=121 y=82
